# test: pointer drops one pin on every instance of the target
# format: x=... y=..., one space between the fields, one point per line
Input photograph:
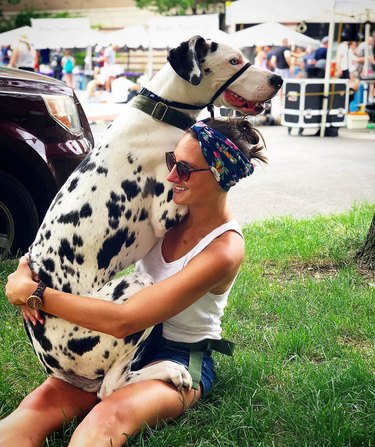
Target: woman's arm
x=14 y=58
x=216 y=265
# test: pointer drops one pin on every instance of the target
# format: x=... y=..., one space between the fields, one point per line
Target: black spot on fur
x=80 y=259
x=65 y=250
x=45 y=277
x=130 y=188
x=51 y=361
x=114 y=210
x=170 y=195
x=214 y=47
x=49 y=264
x=119 y=290
x=48 y=234
x=112 y=246
x=102 y=170
x=73 y=184
x=77 y=240
x=67 y=288
x=128 y=214
x=153 y=188
x=106 y=354
x=134 y=338
x=82 y=345
x=143 y=215
x=130 y=159
x=86 y=211
x=39 y=333
x=69 y=218
x=86 y=165
x=100 y=372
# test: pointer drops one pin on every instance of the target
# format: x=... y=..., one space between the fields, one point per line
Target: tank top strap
x=231 y=225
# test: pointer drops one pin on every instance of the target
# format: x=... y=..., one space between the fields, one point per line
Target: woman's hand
x=19 y=287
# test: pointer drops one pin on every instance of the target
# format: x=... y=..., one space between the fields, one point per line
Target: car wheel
x=19 y=220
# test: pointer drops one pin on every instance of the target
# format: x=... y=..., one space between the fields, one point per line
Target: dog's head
x=204 y=62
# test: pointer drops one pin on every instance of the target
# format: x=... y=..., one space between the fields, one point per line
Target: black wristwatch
x=35 y=300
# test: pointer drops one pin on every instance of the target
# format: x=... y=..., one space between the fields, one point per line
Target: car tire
x=19 y=221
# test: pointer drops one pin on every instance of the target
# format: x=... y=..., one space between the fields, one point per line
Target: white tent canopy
x=271 y=33
x=63 y=33
x=12 y=37
x=54 y=33
x=288 y=11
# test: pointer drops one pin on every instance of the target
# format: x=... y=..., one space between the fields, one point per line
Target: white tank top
x=26 y=56
x=203 y=318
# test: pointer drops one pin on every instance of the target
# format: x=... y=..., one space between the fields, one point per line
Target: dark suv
x=44 y=135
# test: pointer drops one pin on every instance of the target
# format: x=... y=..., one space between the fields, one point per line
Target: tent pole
x=327 y=74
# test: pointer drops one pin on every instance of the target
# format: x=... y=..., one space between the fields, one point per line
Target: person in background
x=361 y=54
x=109 y=65
x=123 y=89
x=321 y=54
x=363 y=72
x=308 y=60
x=297 y=67
x=5 y=54
x=68 y=63
x=56 y=64
x=282 y=60
x=261 y=56
x=24 y=56
x=193 y=266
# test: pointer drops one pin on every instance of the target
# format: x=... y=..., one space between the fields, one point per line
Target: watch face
x=34 y=302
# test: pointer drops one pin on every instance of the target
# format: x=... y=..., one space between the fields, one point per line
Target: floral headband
x=226 y=161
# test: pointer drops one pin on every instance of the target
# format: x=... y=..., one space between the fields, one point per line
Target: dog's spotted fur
x=110 y=212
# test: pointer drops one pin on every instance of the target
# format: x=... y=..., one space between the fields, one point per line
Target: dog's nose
x=276 y=81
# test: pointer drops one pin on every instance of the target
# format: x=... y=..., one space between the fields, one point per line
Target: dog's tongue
x=245 y=107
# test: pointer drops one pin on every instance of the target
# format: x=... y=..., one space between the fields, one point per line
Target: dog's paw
x=178 y=375
x=165 y=370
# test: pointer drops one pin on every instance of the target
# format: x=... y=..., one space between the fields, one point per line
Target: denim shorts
x=154 y=350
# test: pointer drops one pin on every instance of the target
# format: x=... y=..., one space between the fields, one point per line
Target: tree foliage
x=177 y=7
x=6 y=24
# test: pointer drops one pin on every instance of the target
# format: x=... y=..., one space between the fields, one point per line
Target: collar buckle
x=159 y=111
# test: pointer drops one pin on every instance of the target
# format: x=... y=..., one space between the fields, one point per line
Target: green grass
x=302 y=315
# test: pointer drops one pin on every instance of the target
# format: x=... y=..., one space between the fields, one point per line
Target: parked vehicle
x=44 y=135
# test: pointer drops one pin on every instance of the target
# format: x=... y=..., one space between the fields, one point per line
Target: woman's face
x=201 y=185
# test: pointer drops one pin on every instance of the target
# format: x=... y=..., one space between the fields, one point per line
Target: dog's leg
x=165 y=370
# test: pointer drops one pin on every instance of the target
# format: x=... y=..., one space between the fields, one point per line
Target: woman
x=194 y=267
x=68 y=63
x=24 y=56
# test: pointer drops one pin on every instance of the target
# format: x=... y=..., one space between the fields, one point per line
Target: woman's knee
x=41 y=398
x=56 y=395
x=110 y=414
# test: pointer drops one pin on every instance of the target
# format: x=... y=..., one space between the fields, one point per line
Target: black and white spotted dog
x=114 y=206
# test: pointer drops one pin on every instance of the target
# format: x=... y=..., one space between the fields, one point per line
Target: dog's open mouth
x=242 y=105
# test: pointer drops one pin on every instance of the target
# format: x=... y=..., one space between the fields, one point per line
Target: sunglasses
x=183 y=169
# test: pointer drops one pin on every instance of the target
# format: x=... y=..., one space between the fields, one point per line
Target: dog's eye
x=234 y=61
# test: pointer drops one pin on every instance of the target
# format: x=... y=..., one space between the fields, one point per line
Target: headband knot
x=227 y=163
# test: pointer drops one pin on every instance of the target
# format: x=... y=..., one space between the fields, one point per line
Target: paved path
x=305 y=176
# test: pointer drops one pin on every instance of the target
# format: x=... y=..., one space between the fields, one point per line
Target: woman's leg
x=127 y=410
x=43 y=411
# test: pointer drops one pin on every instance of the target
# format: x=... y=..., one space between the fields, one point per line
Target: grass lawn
x=302 y=315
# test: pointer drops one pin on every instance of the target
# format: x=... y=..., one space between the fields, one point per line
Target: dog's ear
x=187 y=58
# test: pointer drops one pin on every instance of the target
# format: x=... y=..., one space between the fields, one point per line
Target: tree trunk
x=366 y=255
